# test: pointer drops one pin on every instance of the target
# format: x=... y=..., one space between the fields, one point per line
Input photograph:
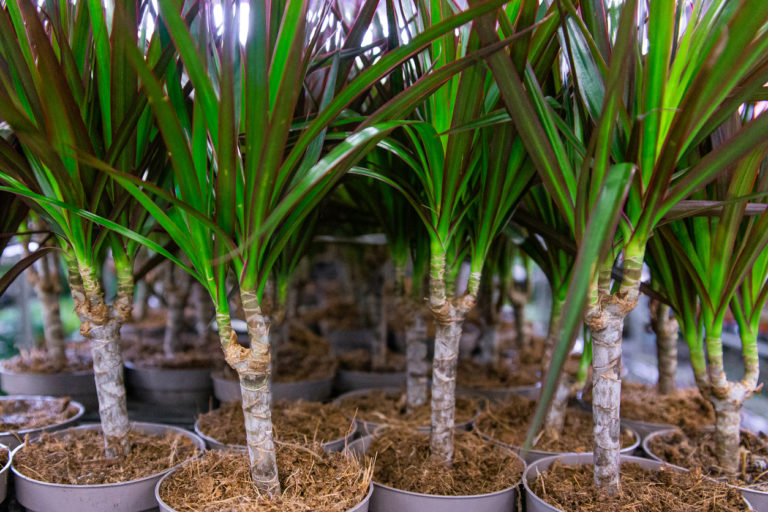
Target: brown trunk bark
x=447 y=334
x=727 y=438
x=665 y=327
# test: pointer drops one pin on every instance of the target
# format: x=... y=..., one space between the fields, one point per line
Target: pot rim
x=160 y=501
x=624 y=451
x=462 y=496
x=217 y=375
x=92 y=426
x=242 y=447
x=76 y=373
x=647 y=450
x=21 y=433
x=131 y=365
x=10 y=458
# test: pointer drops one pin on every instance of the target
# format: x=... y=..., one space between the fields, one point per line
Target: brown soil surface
x=696 y=449
x=379 y=406
x=306 y=356
x=293 y=421
x=570 y=488
x=360 y=361
x=508 y=422
x=76 y=457
x=684 y=408
x=25 y=414
x=4 y=455
x=37 y=361
x=479 y=467
x=148 y=353
x=499 y=375
x=310 y=480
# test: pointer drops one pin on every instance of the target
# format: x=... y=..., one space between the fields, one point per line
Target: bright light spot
x=245 y=9
x=519 y=273
x=218 y=16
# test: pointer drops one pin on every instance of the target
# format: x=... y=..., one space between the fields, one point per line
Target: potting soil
x=24 y=414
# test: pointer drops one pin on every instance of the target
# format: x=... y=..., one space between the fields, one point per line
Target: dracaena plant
x=65 y=88
x=246 y=176
x=660 y=121
x=723 y=259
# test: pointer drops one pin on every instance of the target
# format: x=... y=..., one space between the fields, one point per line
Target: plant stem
x=204 y=312
x=102 y=327
x=46 y=285
x=253 y=368
x=176 y=288
x=555 y=419
x=665 y=327
x=416 y=358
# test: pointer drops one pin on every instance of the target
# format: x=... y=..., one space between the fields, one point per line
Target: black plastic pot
x=78 y=386
x=389 y=499
x=164 y=386
x=132 y=496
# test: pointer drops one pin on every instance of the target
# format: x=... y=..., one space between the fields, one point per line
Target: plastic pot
x=535 y=455
x=165 y=386
x=78 y=386
x=163 y=507
x=350 y=339
x=132 y=496
x=228 y=390
x=536 y=504
x=4 y=472
x=351 y=380
x=389 y=499
x=336 y=445
x=14 y=439
x=757 y=499
x=370 y=427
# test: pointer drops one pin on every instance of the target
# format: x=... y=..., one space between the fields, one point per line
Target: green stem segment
x=665 y=327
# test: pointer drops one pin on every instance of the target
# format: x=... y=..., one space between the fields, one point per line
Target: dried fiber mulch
x=24 y=414
x=380 y=406
x=685 y=407
x=695 y=448
x=293 y=421
x=571 y=488
x=148 y=353
x=360 y=361
x=403 y=461
x=310 y=480
x=305 y=356
x=36 y=360
x=495 y=375
x=508 y=422
x=4 y=456
x=76 y=457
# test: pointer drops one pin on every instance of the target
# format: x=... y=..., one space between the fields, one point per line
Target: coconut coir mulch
x=570 y=488
x=76 y=457
x=685 y=407
x=495 y=375
x=380 y=406
x=4 y=455
x=28 y=413
x=360 y=361
x=508 y=422
x=36 y=360
x=695 y=448
x=305 y=356
x=148 y=353
x=310 y=480
x=293 y=421
x=403 y=461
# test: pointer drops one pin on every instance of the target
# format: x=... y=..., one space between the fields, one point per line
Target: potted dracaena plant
x=279 y=183
x=667 y=137
x=66 y=87
x=723 y=259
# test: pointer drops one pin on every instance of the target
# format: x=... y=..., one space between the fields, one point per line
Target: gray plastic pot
x=535 y=504
x=535 y=455
x=757 y=499
x=350 y=380
x=78 y=386
x=352 y=339
x=14 y=439
x=336 y=445
x=370 y=427
x=163 y=507
x=502 y=394
x=389 y=499
x=645 y=428
x=166 y=386
x=227 y=390
x=133 y=496
x=4 y=473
